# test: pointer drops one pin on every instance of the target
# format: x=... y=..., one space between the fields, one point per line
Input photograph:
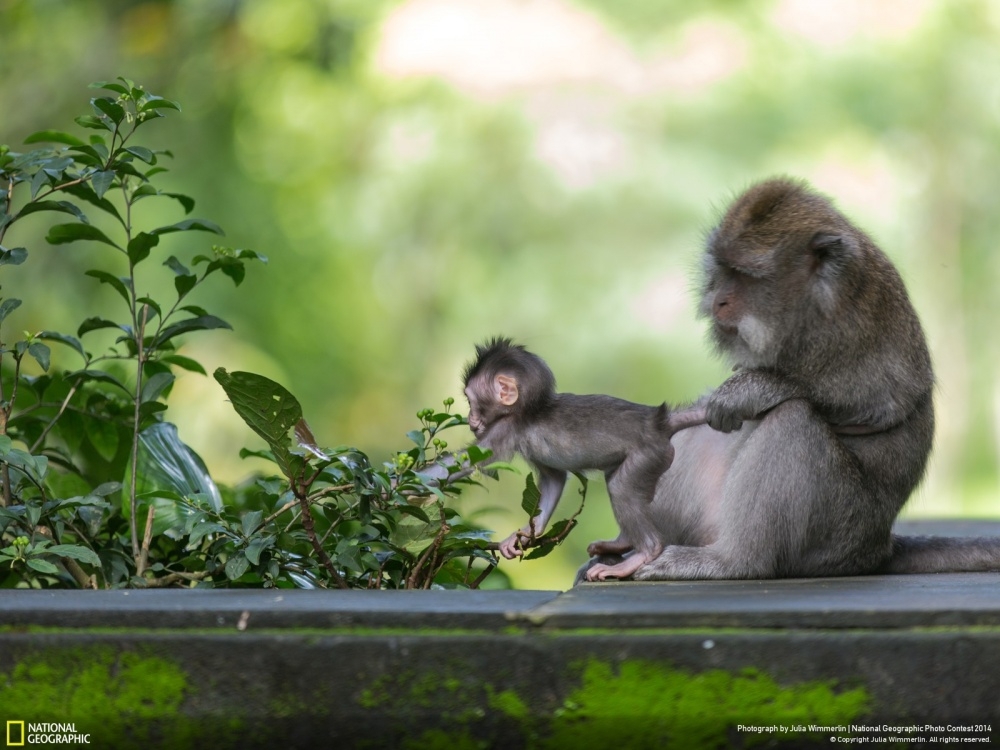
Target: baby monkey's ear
x=505 y=388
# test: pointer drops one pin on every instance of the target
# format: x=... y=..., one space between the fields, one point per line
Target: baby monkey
x=514 y=408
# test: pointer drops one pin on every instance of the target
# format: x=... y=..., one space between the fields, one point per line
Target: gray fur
x=818 y=439
x=562 y=432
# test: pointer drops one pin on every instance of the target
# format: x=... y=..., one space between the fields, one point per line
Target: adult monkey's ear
x=505 y=389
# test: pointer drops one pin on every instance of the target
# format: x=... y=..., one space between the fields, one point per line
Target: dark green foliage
x=96 y=488
x=389 y=524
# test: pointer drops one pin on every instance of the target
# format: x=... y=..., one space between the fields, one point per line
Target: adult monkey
x=816 y=442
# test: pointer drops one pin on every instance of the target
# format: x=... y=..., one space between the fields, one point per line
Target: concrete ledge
x=681 y=664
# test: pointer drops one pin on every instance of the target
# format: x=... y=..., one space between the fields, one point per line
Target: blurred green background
x=424 y=174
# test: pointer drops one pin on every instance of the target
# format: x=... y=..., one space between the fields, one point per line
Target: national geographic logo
x=20 y=733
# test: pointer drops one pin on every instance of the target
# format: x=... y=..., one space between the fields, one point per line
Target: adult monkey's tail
x=943 y=554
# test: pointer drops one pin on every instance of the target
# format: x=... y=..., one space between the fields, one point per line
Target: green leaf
x=40 y=180
x=101 y=377
x=247 y=453
x=75 y=551
x=185 y=363
x=184 y=284
x=142 y=153
x=65 y=339
x=201 y=323
x=14 y=257
x=5 y=445
x=62 y=206
x=236 y=566
x=152 y=304
x=110 y=86
x=53 y=136
x=177 y=267
x=531 y=497
x=109 y=107
x=103 y=436
x=94 y=324
x=166 y=471
x=154 y=386
x=203 y=528
x=118 y=283
x=158 y=102
x=256 y=546
x=42 y=566
x=140 y=245
x=8 y=306
x=85 y=192
x=189 y=225
x=57 y=164
x=101 y=181
x=412 y=510
x=244 y=254
x=95 y=123
x=251 y=521
x=107 y=488
x=235 y=271
x=185 y=201
x=543 y=549
x=41 y=354
x=268 y=409
x=477 y=454
x=97 y=152
x=148 y=410
x=185 y=280
x=60 y=234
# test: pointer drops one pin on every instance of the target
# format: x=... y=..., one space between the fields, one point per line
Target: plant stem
x=133 y=525
x=301 y=492
x=139 y=332
x=172 y=578
x=52 y=423
x=8 y=200
x=147 y=539
x=4 y=417
x=414 y=581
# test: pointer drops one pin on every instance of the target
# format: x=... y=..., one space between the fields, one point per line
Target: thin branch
x=133 y=523
x=78 y=573
x=287 y=506
x=57 y=188
x=171 y=578
x=310 y=529
x=314 y=498
x=482 y=576
x=8 y=200
x=542 y=540
x=413 y=582
x=52 y=422
x=147 y=539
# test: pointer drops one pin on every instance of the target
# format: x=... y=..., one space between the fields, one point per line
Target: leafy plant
x=91 y=423
x=387 y=526
x=96 y=488
x=536 y=547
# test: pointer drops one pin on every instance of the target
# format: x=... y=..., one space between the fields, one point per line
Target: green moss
x=122 y=699
x=642 y=704
x=634 y=704
x=509 y=704
x=435 y=739
x=422 y=690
